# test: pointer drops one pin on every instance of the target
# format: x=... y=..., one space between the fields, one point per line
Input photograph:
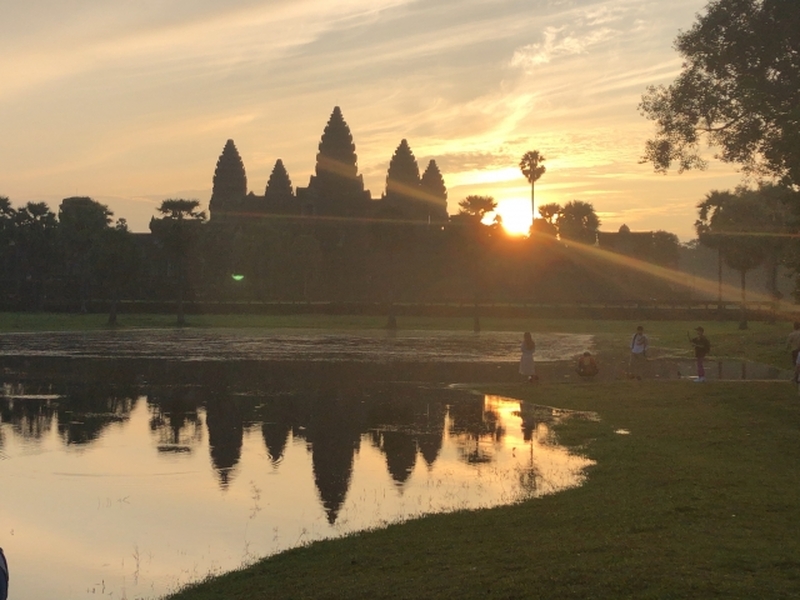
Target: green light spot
x=237 y=277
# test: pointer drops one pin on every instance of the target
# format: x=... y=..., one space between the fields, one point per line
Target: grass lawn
x=699 y=500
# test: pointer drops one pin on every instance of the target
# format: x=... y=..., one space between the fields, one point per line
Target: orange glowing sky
x=131 y=103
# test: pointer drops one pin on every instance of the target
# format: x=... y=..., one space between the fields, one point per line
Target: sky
x=131 y=103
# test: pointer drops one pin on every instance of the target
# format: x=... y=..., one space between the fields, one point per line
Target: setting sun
x=516 y=214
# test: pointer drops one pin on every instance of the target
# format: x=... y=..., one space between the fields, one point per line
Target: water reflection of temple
x=408 y=424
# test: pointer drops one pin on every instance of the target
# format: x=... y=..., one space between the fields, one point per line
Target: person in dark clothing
x=3 y=576
x=702 y=346
x=587 y=366
x=793 y=342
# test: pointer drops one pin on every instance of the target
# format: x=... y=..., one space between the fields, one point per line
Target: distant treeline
x=81 y=255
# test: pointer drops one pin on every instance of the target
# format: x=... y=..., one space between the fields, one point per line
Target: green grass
x=699 y=501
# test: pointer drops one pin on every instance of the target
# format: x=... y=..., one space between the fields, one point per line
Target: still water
x=125 y=476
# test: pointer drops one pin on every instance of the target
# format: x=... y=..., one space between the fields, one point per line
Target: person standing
x=587 y=365
x=793 y=342
x=797 y=374
x=702 y=346
x=526 y=366
x=3 y=576
x=638 y=354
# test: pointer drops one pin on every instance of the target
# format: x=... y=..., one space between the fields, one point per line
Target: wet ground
x=406 y=355
x=315 y=345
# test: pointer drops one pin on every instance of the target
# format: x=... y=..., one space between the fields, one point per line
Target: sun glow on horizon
x=516 y=215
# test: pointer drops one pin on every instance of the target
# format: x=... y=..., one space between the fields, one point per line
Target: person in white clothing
x=526 y=366
x=638 y=358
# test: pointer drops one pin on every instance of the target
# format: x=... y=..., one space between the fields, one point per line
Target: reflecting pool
x=127 y=477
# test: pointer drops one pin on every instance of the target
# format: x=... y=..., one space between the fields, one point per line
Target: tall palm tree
x=532 y=167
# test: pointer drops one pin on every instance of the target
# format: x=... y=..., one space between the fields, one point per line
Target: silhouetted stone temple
x=335 y=190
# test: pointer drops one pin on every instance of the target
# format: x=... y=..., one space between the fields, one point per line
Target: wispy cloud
x=558 y=42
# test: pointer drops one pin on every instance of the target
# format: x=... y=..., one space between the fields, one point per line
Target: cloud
x=559 y=42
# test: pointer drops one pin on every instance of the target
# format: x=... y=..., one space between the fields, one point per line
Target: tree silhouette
x=177 y=230
x=727 y=222
x=279 y=187
x=473 y=242
x=577 y=221
x=434 y=192
x=550 y=211
x=532 y=168
x=7 y=246
x=230 y=182
x=476 y=207
x=738 y=90
x=36 y=251
x=81 y=225
x=117 y=264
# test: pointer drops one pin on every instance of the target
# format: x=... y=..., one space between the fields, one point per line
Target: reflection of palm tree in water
x=174 y=419
x=530 y=475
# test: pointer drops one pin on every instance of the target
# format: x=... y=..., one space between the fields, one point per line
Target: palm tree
x=532 y=167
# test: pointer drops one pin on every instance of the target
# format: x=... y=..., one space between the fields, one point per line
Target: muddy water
x=132 y=464
x=264 y=344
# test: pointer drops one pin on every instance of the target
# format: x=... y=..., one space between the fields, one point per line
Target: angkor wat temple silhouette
x=336 y=190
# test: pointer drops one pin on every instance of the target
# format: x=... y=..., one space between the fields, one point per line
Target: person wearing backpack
x=702 y=346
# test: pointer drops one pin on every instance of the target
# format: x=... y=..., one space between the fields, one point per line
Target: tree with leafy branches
x=7 y=247
x=739 y=89
x=474 y=242
x=476 y=207
x=577 y=221
x=117 y=265
x=36 y=251
x=82 y=223
x=733 y=223
x=177 y=230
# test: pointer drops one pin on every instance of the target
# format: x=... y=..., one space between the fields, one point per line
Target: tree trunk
x=112 y=311
x=772 y=284
x=719 y=283
x=743 y=322
x=181 y=316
